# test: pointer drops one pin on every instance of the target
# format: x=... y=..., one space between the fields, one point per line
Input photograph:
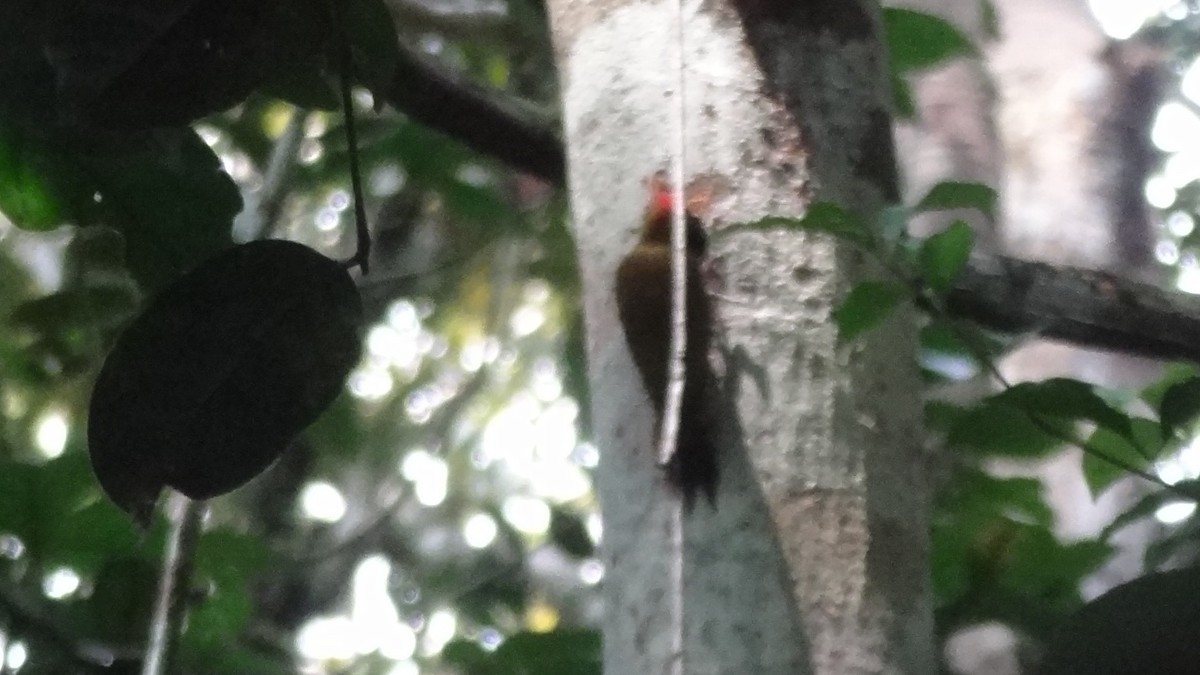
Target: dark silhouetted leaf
x=1149 y=626
x=209 y=385
x=1180 y=405
x=137 y=65
x=164 y=192
x=372 y=32
x=569 y=532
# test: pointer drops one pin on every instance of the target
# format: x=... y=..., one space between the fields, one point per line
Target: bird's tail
x=693 y=468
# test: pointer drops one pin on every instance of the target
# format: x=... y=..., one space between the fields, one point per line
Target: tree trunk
x=815 y=559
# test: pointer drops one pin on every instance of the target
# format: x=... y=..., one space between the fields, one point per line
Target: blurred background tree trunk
x=1057 y=118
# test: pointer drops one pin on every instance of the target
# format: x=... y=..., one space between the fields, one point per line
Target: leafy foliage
x=995 y=555
x=92 y=135
x=945 y=254
x=916 y=41
x=866 y=306
x=475 y=286
x=209 y=385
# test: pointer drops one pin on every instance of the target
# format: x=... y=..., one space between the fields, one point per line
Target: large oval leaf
x=209 y=385
x=1145 y=627
x=164 y=63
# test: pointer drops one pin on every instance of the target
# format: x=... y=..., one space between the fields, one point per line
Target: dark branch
x=476 y=116
x=1083 y=307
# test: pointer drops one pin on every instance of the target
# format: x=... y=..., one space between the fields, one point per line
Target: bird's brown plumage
x=644 y=304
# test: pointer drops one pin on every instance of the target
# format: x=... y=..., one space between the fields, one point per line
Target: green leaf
x=121 y=601
x=20 y=497
x=164 y=191
x=170 y=199
x=997 y=429
x=225 y=560
x=207 y=387
x=26 y=194
x=866 y=306
x=903 y=104
x=825 y=217
x=87 y=536
x=949 y=572
x=1068 y=399
x=917 y=40
x=562 y=651
x=1042 y=565
x=941 y=416
x=1099 y=474
x=945 y=356
x=467 y=655
x=53 y=509
x=1180 y=406
x=1018 y=498
x=944 y=255
x=1175 y=373
x=954 y=195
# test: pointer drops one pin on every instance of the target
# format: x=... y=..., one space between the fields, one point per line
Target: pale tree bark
x=815 y=559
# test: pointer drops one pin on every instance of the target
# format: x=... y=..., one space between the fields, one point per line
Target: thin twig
x=174 y=583
x=362 y=248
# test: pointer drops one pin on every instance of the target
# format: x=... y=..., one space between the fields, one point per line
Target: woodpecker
x=643 y=290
